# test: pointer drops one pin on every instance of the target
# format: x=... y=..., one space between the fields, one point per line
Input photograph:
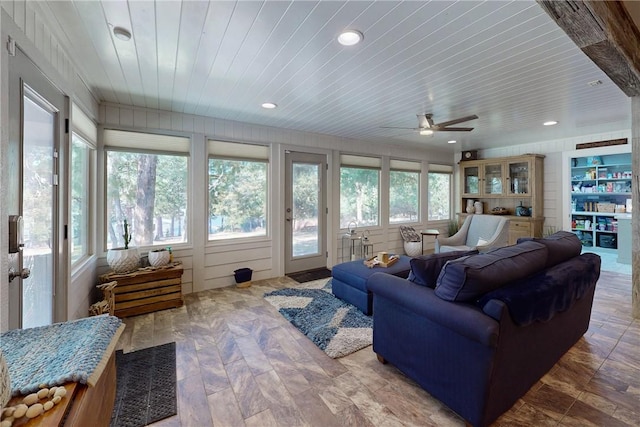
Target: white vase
x=159 y=258
x=478 y=207
x=123 y=260
x=470 y=209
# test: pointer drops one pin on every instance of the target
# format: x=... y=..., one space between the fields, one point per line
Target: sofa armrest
x=463 y=319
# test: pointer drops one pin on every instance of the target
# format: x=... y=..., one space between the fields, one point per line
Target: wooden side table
x=147 y=289
x=431 y=232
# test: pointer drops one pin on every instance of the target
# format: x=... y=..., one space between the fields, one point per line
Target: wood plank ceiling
x=507 y=62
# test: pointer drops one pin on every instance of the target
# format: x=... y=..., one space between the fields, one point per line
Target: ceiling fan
x=426 y=126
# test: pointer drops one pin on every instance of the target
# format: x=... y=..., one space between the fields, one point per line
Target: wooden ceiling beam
x=606 y=34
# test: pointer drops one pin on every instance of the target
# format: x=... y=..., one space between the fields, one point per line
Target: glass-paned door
x=471 y=176
x=519 y=178
x=37 y=206
x=493 y=178
x=37 y=110
x=305 y=212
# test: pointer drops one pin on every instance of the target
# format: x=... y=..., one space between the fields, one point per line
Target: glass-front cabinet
x=471 y=180
x=493 y=179
x=510 y=186
x=518 y=177
x=481 y=179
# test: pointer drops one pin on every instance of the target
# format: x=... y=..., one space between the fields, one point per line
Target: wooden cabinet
x=524 y=227
x=507 y=182
x=147 y=289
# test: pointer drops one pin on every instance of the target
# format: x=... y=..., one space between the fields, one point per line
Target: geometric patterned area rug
x=336 y=327
x=145 y=386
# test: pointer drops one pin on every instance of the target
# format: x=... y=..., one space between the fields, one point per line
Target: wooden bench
x=146 y=290
x=82 y=406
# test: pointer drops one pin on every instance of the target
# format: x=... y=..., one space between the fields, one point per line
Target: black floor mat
x=309 y=275
x=145 y=386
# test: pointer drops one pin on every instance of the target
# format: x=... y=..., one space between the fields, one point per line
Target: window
x=238 y=187
x=80 y=179
x=404 y=191
x=147 y=186
x=359 y=190
x=439 y=198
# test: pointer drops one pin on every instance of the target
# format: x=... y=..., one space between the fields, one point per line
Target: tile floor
x=239 y=363
x=610 y=260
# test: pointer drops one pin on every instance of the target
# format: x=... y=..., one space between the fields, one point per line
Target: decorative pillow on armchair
x=426 y=269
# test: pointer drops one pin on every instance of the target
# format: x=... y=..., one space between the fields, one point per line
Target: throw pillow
x=426 y=269
x=466 y=279
x=409 y=234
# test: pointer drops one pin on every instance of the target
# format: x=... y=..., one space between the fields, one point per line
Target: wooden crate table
x=147 y=289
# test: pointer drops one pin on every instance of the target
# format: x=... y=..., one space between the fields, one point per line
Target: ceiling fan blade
x=395 y=127
x=456 y=121
x=445 y=129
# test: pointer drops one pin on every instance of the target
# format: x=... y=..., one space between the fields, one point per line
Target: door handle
x=25 y=273
x=291 y=219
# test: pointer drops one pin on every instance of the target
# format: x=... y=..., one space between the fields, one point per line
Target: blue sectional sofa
x=495 y=323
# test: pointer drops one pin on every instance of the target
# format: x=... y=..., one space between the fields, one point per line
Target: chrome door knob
x=25 y=273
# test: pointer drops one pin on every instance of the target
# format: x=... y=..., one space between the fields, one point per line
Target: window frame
x=184 y=150
x=354 y=161
x=241 y=152
x=407 y=166
x=89 y=197
x=441 y=170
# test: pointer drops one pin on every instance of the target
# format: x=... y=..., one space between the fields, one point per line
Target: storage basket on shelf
x=606 y=207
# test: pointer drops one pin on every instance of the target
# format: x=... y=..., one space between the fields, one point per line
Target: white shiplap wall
x=22 y=21
x=212 y=263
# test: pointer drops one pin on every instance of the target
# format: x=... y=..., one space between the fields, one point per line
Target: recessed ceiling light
x=550 y=123
x=350 y=37
x=453 y=141
x=426 y=132
x=122 y=33
x=269 y=105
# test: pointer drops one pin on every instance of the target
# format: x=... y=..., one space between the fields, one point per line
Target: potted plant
x=452 y=227
x=124 y=260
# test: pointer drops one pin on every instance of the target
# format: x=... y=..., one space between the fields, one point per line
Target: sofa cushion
x=466 y=279
x=426 y=269
x=562 y=246
x=540 y=297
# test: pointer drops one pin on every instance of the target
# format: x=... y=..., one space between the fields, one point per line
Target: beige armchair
x=482 y=232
